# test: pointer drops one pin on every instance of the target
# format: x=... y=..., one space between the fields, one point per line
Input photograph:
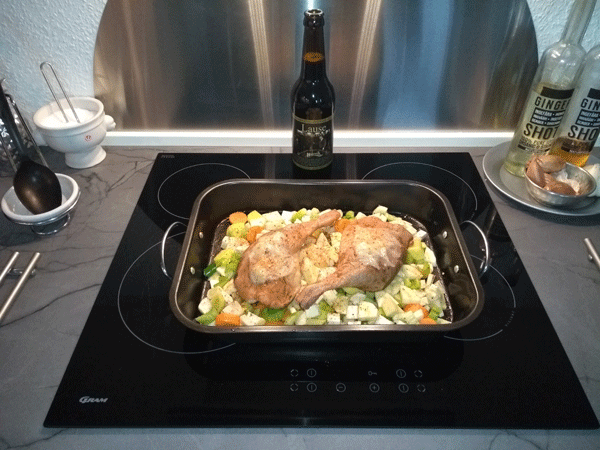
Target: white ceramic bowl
x=79 y=141
x=14 y=210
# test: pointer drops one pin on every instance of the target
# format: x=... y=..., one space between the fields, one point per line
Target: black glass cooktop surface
x=135 y=365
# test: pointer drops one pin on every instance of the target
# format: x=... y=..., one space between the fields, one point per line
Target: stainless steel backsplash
x=394 y=64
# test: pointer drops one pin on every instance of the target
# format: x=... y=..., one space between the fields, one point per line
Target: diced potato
x=309 y=271
x=205 y=305
x=313 y=311
x=389 y=306
x=250 y=320
x=383 y=321
x=234 y=308
x=334 y=319
x=301 y=320
x=352 y=312
x=367 y=311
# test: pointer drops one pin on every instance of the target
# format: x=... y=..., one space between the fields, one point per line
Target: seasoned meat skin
x=269 y=270
x=371 y=253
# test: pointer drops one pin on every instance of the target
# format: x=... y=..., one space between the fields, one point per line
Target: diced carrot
x=415 y=307
x=427 y=321
x=340 y=224
x=238 y=217
x=252 y=233
x=227 y=320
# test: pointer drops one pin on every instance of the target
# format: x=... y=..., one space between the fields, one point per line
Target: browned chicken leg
x=371 y=253
x=269 y=271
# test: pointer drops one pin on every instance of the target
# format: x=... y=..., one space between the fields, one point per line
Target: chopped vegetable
x=238 y=217
x=237 y=230
x=415 y=254
x=227 y=320
x=413 y=307
x=253 y=232
x=298 y=215
x=254 y=215
x=427 y=321
x=415 y=296
x=210 y=270
x=272 y=314
x=228 y=258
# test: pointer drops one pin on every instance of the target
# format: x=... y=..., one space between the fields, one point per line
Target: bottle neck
x=578 y=21
x=313 y=54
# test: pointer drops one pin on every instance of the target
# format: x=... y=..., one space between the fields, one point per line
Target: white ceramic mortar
x=80 y=142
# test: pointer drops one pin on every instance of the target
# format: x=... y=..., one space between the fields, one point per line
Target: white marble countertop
x=41 y=330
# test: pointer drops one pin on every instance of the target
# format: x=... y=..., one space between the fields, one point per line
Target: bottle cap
x=314 y=18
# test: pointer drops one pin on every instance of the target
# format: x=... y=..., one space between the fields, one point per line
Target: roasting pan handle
x=485 y=264
x=163 y=265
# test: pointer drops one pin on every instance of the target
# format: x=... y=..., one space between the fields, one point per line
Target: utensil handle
x=8 y=267
x=9 y=122
x=19 y=286
x=593 y=254
x=47 y=64
x=27 y=130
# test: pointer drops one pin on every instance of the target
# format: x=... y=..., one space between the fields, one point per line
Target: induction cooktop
x=135 y=365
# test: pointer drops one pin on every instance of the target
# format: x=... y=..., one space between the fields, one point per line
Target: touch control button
x=403 y=387
x=400 y=373
x=294 y=387
x=311 y=387
x=340 y=387
x=421 y=387
x=294 y=372
x=418 y=374
x=311 y=373
x=374 y=388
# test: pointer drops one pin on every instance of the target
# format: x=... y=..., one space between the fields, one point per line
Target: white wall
x=63 y=32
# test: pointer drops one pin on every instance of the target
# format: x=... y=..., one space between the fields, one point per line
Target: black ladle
x=36 y=186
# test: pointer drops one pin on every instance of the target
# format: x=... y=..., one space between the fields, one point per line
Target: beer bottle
x=313 y=100
x=551 y=90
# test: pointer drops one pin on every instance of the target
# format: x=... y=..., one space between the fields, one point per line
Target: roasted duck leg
x=371 y=253
x=269 y=271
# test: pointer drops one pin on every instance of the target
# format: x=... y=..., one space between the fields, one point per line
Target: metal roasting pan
x=425 y=207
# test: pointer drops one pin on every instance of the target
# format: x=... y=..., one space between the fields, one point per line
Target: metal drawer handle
x=163 y=265
x=485 y=264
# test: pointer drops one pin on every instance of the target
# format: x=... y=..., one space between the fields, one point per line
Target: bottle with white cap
x=551 y=90
x=581 y=125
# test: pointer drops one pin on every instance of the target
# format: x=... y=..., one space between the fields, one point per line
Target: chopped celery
x=223 y=280
x=208 y=318
x=415 y=254
x=218 y=303
x=412 y=283
x=426 y=269
x=435 y=312
x=316 y=321
x=325 y=307
x=298 y=215
x=291 y=319
x=210 y=270
x=349 y=215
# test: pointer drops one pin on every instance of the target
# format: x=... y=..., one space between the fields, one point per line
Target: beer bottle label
x=543 y=117
x=312 y=142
